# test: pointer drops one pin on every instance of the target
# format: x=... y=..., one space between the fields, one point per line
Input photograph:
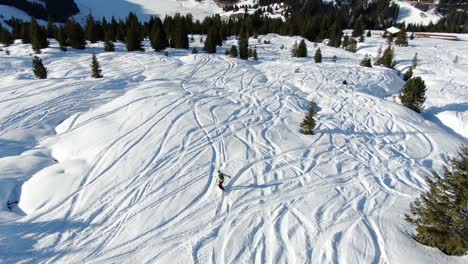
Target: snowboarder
x=221 y=179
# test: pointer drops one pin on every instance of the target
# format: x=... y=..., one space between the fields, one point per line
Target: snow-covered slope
x=412 y=15
x=146 y=8
x=137 y=151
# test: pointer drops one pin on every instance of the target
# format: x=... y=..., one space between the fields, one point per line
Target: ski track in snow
x=153 y=133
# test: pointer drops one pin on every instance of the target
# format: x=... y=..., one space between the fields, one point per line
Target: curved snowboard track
x=145 y=191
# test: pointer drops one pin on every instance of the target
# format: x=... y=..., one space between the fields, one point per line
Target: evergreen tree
x=158 y=36
x=318 y=56
x=76 y=36
x=26 y=33
x=308 y=124
x=210 y=42
x=401 y=40
x=414 y=61
x=390 y=39
x=244 y=45
x=352 y=46
x=441 y=214
x=108 y=44
x=132 y=38
x=294 y=50
x=301 y=51
x=387 y=59
x=408 y=74
x=345 y=41
x=233 y=52
x=361 y=38
x=62 y=38
x=91 y=29
x=334 y=58
x=50 y=28
x=5 y=36
x=38 y=36
x=413 y=94
x=38 y=68
x=366 y=61
x=335 y=36
x=95 y=68
x=359 y=27
x=180 y=39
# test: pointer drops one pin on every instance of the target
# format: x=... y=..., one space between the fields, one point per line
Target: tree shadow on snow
x=17 y=240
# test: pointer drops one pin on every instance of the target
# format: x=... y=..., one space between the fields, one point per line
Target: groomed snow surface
x=122 y=169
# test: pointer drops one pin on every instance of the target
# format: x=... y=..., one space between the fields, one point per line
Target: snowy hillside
x=121 y=169
x=146 y=8
x=412 y=15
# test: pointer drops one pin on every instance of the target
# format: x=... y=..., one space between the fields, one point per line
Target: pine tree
x=95 y=68
x=390 y=39
x=108 y=44
x=359 y=27
x=38 y=68
x=294 y=50
x=132 y=38
x=441 y=214
x=158 y=36
x=62 y=38
x=361 y=38
x=50 y=28
x=5 y=36
x=387 y=59
x=408 y=74
x=352 y=46
x=318 y=56
x=366 y=61
x=38 y=36
x=301 y=51
x=76 y=36
x=210 y=42
x=233 y=52
x=414 y=61
x=180 y=35
x=413 y=94
x=26 y=33
x=345 y=41
x=308 y=124
x=401 y=40
x=335 y=36
x=91 y=29
x=244 y=45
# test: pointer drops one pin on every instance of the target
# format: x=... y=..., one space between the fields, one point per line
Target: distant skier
x=221 y=179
